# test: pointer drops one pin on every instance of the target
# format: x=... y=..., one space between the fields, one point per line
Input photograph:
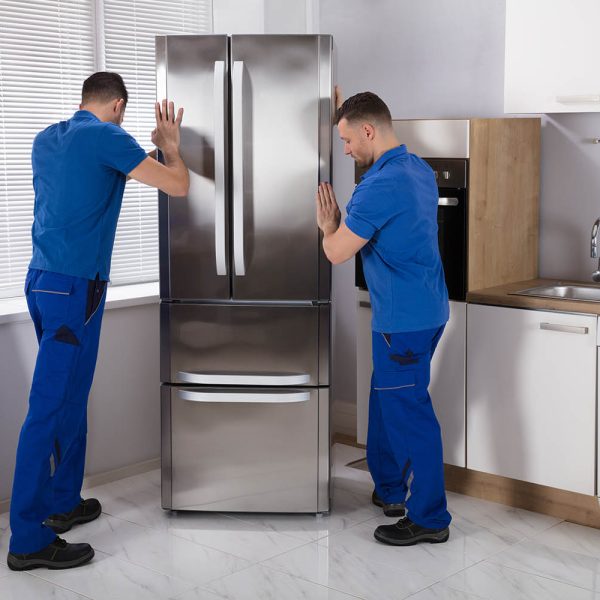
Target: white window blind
x=45 y=54
x=129 y=30
x=47 y=49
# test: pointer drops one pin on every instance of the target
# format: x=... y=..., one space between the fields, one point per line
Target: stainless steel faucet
x=595 y=230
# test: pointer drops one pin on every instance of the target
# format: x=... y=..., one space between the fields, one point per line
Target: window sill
x=14 y=310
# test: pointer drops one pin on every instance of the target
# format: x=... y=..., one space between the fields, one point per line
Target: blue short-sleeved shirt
x=395 y=208
x=79 y=174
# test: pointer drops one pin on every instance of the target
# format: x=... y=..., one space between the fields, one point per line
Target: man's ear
x=119 y=105
x=368 y=130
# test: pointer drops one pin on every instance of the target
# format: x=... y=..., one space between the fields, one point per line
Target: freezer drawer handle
x=564 y=328
x=245 y=397
x=219 y=101
x=244 y=378
x=238 y=167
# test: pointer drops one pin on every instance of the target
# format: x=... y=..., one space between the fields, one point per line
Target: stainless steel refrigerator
x=244 y=284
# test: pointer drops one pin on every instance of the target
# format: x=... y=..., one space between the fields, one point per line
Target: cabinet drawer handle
x=364 y=304
x=564 y=328
x=581 y=99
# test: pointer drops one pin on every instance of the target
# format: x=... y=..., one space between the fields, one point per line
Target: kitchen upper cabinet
x=552 y=56
x=447 y=387
x=531 y=396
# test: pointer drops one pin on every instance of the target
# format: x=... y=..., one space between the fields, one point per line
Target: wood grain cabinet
x=531 y=396
x=552 y=53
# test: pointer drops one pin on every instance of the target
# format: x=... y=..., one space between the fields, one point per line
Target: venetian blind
x=129 y=30
x=46 y=51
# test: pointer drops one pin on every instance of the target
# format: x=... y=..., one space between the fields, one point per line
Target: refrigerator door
x=193 y=72
x=263 y=345
x=281 y=104
x=245 y=449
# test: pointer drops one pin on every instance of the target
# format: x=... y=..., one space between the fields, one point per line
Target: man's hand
x=339 y=97
x=166 y=135
x=328 y=211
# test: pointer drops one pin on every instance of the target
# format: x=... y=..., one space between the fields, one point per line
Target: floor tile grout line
x=62 y=587
x=269 y=568
x=546 y=577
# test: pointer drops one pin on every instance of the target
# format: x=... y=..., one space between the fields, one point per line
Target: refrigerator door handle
x=280 y=397
x=219 y=104
x=269 y=379
x=237 y=111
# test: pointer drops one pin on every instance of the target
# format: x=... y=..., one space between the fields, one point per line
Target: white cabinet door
x=447 y=386
x=531 y=396
x=552 y=56
x=364 y=364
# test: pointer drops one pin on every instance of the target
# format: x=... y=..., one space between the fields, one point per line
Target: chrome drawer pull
x=244 y=378
x=245 y=397
x=564 y=328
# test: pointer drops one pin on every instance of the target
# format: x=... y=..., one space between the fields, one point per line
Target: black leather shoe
x=389 y=510
x=407 y=533
x=84 y=512
x=57 y=555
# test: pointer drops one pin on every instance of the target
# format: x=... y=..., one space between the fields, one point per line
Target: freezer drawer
x=214 y=344
x=245 y=449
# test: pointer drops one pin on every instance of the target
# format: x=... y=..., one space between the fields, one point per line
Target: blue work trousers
x=67 y=314
x=404 y=436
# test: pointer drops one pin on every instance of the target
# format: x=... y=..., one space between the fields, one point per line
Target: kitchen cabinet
x=447 y=386
x=531 y=396
x=552 y=52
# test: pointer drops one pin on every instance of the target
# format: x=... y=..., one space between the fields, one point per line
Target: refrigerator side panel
x=326 y=114
x=165 y=448
x=323 y=484
x=192 y=71
x=275 y=104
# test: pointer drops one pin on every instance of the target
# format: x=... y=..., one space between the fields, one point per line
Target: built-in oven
x=452 y=177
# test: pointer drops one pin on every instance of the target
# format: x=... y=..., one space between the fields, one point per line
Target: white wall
x=124 y=409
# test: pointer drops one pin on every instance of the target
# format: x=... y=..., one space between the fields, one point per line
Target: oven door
x=452 y=239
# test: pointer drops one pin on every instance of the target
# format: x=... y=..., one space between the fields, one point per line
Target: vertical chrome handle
x=237 y=110
x=219 y=104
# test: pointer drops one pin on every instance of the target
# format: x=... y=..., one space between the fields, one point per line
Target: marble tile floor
x=144 y=553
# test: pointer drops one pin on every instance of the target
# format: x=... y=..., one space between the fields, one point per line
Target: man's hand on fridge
x=166 y=136
x=328 y=211
x=339 y=97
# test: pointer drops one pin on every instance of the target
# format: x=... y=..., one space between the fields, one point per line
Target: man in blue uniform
x=392 y=220
x=80 y=167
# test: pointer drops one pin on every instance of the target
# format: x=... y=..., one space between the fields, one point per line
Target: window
x=47 y=49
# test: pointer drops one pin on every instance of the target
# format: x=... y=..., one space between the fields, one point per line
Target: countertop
x=499 y=296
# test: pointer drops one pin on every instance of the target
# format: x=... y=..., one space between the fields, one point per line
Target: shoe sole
x=64 y=526
x=432 y=538
x=390 y=512
x=394 y=512
x=14 y=564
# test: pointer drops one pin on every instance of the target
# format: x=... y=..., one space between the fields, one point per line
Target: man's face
x=357 y=142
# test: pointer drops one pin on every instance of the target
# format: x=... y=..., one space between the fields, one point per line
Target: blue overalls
x=394 y=207
x=66 y=313
x=79 y=172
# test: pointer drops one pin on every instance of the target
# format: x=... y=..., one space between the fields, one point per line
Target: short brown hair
x=103 y=87
x=364 y=106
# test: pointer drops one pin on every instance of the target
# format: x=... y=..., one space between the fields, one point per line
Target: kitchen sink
x=584 y=293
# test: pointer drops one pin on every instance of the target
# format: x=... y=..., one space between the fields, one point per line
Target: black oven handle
x=448 y=202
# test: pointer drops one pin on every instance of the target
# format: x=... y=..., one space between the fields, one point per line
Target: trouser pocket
x=95 y=293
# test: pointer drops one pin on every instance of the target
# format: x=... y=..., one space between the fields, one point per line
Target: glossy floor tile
x=144 y=553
